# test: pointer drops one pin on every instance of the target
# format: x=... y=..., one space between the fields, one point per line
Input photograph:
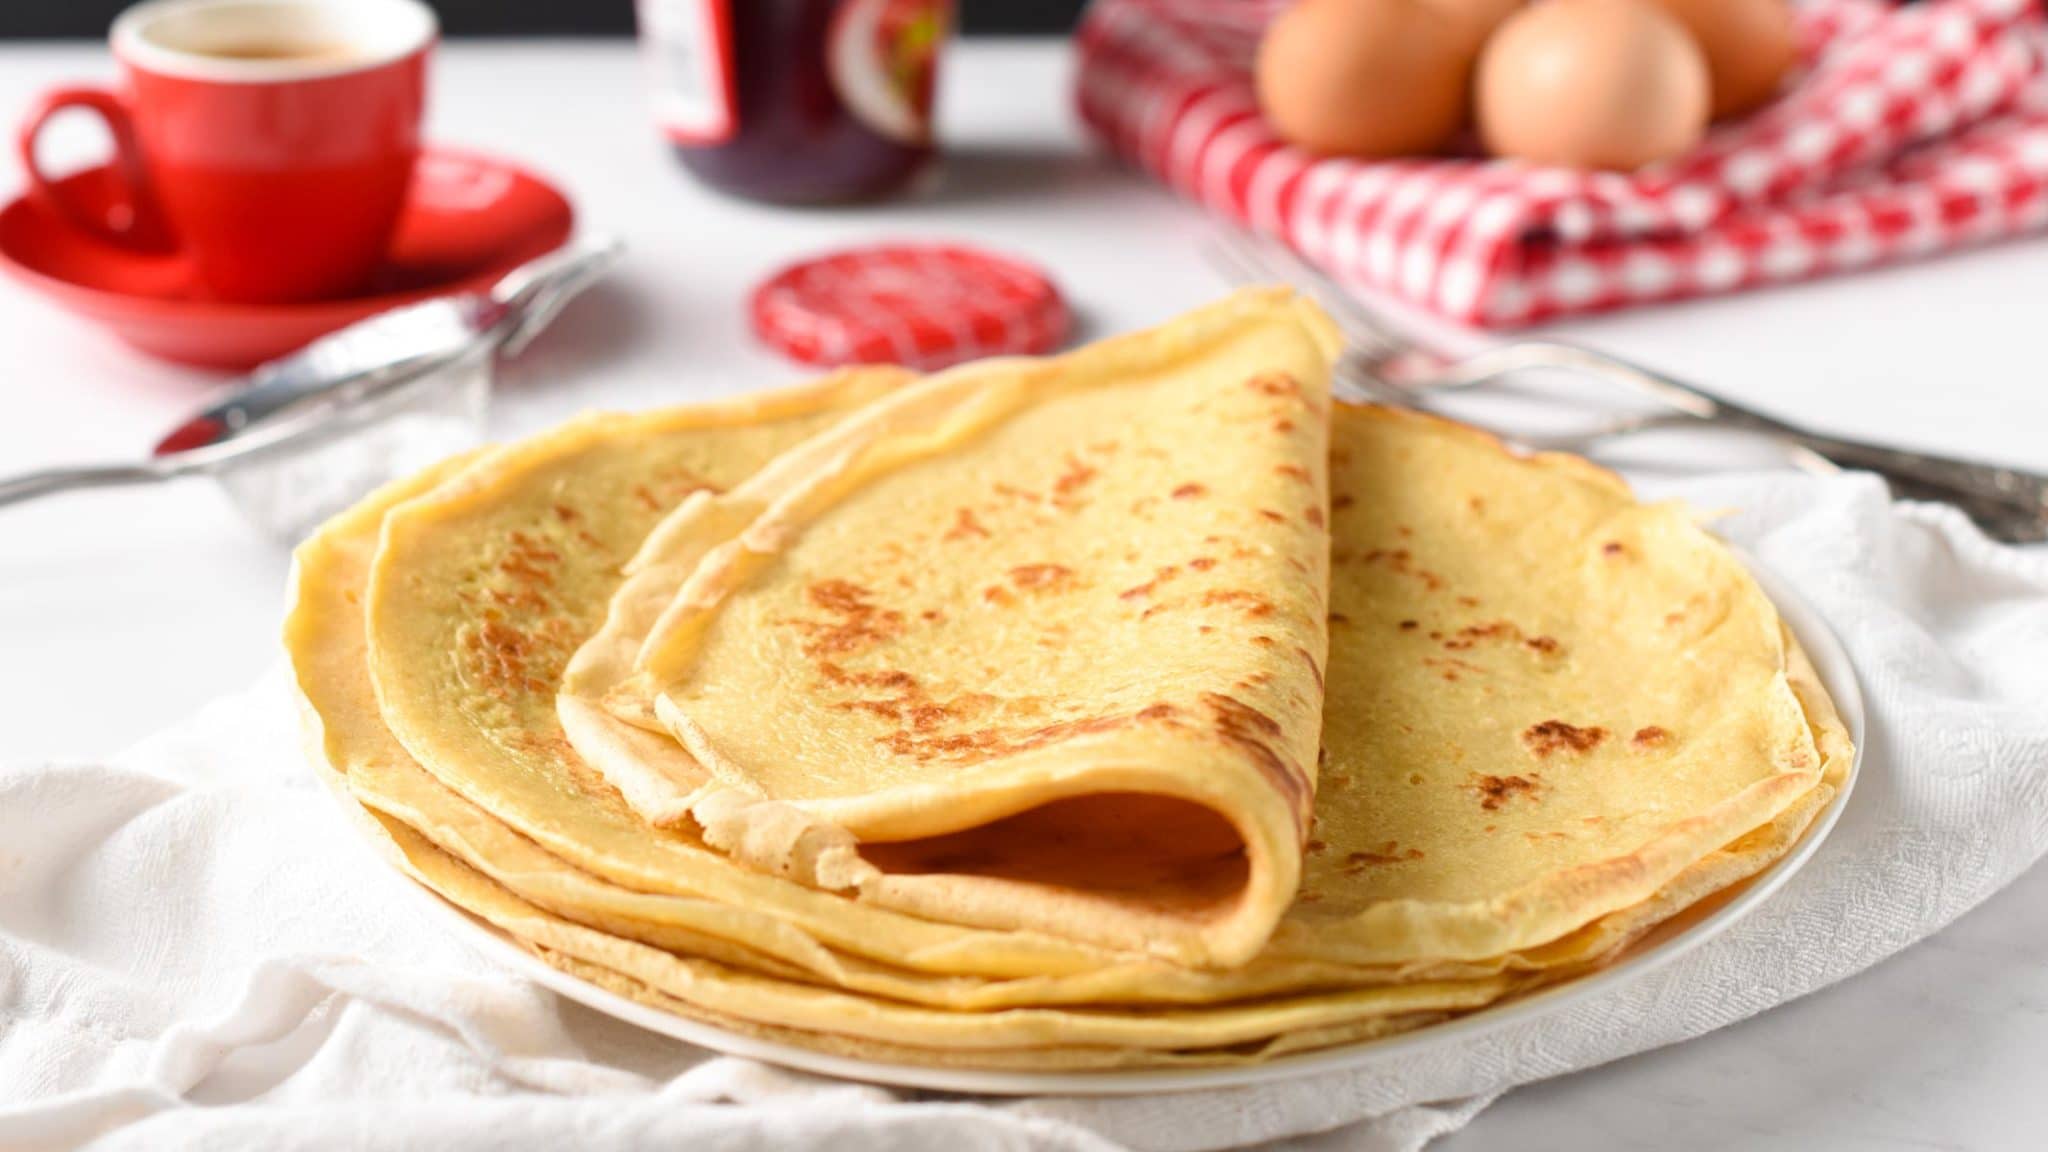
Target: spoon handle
x=534 y=292
x=29 y=485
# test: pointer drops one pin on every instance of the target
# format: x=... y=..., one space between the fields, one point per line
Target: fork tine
x=1356 y=383
x=1249 y=258
x=1244 y=264
x=1335 y=296
x=1235 y=263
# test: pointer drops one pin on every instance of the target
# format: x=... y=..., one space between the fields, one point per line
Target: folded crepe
x=1546 y=700
x=1032 y=644
x=1495 y=821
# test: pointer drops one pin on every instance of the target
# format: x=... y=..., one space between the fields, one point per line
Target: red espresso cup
x=267 y=142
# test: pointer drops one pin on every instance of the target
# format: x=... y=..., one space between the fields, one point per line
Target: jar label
x=687 y=45
x=883 y=58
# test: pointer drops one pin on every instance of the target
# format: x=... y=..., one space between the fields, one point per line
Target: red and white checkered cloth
x=1912 y=130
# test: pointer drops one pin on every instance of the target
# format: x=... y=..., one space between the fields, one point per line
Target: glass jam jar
x=797 y=101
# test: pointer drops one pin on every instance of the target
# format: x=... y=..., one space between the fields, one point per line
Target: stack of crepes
x=1135 y=707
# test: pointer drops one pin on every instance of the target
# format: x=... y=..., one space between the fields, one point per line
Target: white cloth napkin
x=195 y=952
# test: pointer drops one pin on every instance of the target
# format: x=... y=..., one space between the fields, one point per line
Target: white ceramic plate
x=1677 y=937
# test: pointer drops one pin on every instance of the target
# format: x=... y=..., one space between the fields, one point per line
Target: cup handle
x=137 y=222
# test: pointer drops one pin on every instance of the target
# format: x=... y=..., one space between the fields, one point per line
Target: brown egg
x=1479 y=17
x=1748 y=44
x=1592 y=83
x=1364 y=77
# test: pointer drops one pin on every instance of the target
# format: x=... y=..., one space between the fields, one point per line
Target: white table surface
x=122 y=611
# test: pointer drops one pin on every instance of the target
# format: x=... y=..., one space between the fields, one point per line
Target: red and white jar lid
x=921 y=306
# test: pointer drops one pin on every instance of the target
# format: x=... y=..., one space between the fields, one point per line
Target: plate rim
x=1831 y=662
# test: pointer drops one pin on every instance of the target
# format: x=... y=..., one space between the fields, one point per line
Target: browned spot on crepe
x=1552 y=736
x=1253 y=604
x=1496 y=791
x=1159 y=576
x=1275 y=384
x=1390 y=852
x=1257 y=735
x=999 y=740
x=1077 y=473
x=965 y=524
x=1314 y=669
x=1402 y=561
x=858 y=623
x=1041 y=577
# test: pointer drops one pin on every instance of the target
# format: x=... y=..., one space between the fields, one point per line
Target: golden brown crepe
x=1030 y=644
x=500 y=764
x=1546 y=700
x=773 y=1001
x=1709 y=879
x=710 y=990
x=1507 y=798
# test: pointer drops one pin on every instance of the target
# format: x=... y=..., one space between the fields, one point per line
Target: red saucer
x=469 y=220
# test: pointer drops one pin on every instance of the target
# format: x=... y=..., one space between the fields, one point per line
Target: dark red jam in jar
x=797 y=101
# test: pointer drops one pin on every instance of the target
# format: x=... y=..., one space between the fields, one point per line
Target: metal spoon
x=336 y=412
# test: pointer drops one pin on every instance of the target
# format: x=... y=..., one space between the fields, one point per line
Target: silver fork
x=1373 y=352
x=1383 y=365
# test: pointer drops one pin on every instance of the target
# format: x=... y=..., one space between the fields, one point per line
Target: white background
x=121 y=611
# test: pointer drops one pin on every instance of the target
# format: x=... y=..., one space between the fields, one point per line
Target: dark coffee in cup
x=333 y=52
